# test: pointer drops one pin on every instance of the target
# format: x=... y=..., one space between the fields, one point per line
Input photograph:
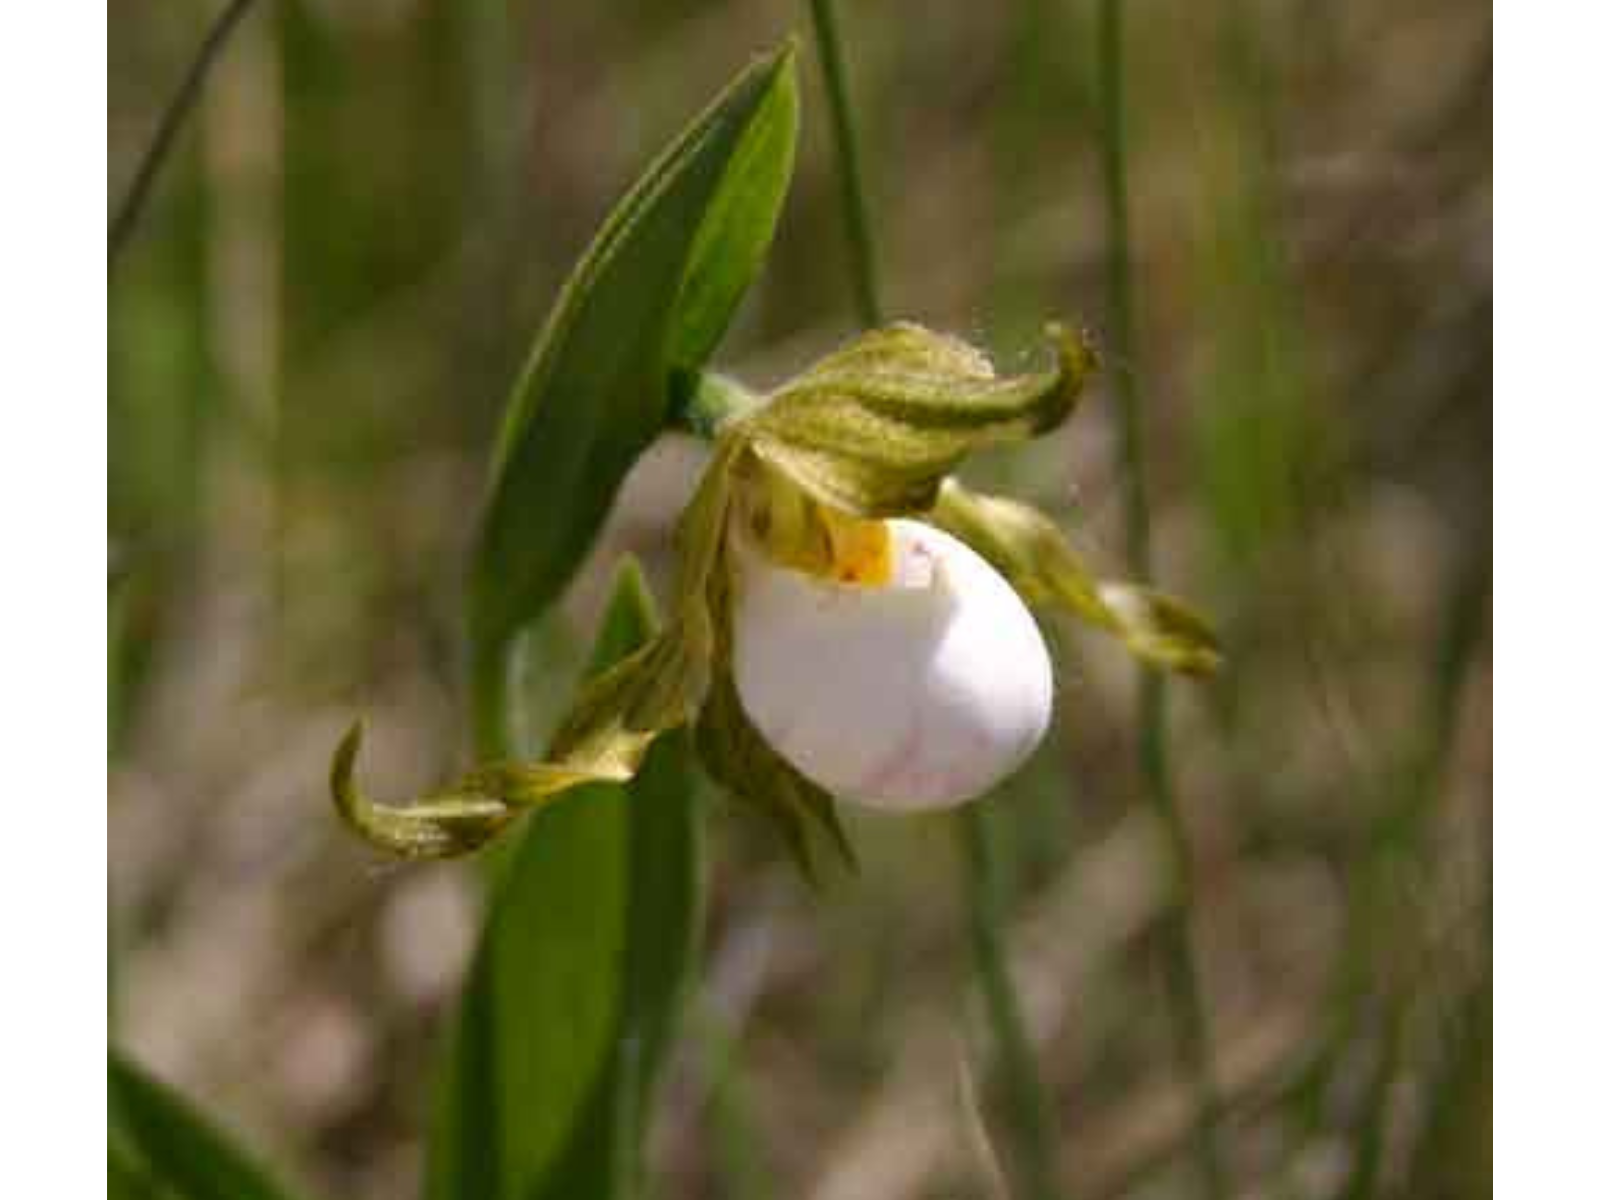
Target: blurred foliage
x=312 y=332
x=159 y=1146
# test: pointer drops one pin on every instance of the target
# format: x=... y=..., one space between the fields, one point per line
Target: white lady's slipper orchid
x=923 y=691
x=823 y=641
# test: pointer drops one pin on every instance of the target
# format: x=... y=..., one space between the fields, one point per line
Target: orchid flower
x=849 y=621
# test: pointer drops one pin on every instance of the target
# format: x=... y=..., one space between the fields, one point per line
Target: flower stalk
x=173 y=116
x=852 y=192
x=1022 y=1090
x=1178 y=957
x=489 y=698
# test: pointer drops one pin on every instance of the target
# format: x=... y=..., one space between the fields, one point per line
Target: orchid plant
x=849 y=621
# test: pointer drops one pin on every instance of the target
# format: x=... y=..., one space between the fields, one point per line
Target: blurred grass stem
x=172 y=118
x=852 y=193
x=1390 y=870
x=1026 y=1103
x=1178 y=956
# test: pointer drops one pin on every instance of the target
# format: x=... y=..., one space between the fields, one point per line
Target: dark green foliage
x=651 y=298
x=576 y=983
x=159 y=1146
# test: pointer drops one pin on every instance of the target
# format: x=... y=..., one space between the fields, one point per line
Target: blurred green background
x=312 y=333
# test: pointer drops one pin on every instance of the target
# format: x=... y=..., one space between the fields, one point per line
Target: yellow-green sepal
x=1162 y=629
x=1034 y=555
x=475 y=809
x=454 y=821
x=734 y=753
x=604 y=740
x=876 y=427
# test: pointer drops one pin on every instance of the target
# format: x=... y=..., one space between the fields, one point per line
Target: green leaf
x=736 y=231
x=647 y=303
x=575 y=988
x=161 y=1146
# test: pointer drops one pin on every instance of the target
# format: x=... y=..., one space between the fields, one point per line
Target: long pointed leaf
x=650 y=299
x=574 y=990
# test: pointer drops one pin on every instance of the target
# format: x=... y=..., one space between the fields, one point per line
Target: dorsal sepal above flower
x=876 y=427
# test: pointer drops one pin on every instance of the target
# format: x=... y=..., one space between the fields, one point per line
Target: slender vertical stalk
x=1023 y=1095
x=852 y=195
x=489 y=683
x=1026 y=1102
x=172 y=118
x=1178 y=951
x=1421 y=767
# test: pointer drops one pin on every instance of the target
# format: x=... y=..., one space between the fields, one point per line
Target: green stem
x=1178 y=956
x=172 y=118
x=1026 y=1102
x=1376 y=1109
x=702 y=401
x=1114 y=177
x=852 y=195
x=489 y=680
x=1420 y=770
x=1023 y=1094
x=705 y=399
